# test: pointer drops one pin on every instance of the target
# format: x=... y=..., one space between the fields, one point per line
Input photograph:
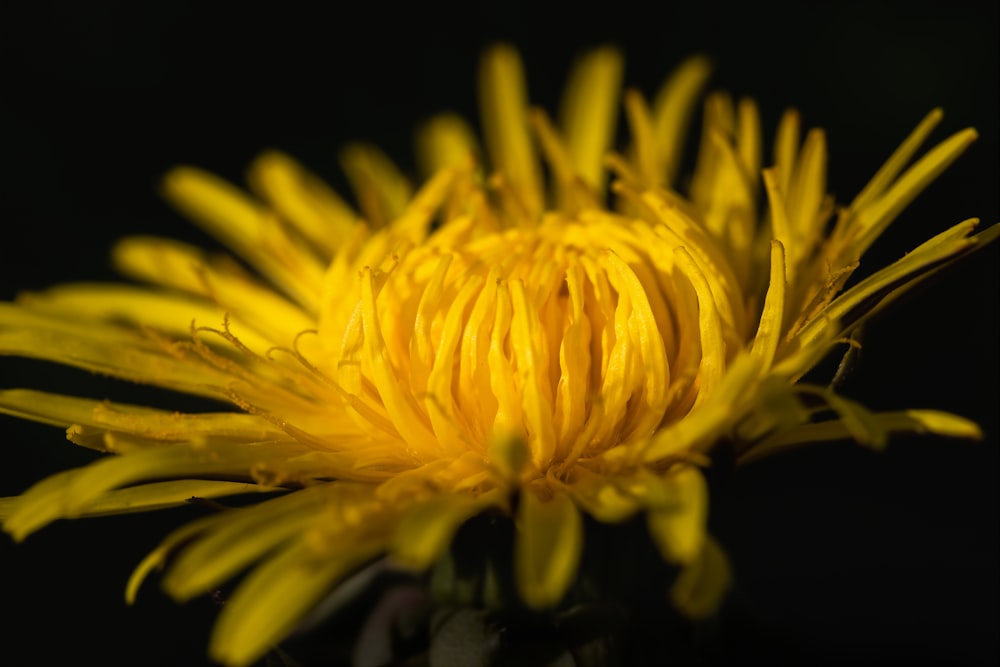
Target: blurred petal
x=547 y=547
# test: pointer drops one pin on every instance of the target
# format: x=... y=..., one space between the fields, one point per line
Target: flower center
x=572 y=337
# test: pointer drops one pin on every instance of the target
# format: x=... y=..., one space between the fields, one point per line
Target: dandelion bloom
x=485 y=342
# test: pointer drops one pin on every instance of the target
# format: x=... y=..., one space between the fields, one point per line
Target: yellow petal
x=808 y=188
x=164 y=311
x=769 y=331
x=65 y=411
x=241 y=538
x=777 y=407
x=713 y=347
x=644 y=328
x=936 y=422
x=158 y=557
x=906 y=421
x=445 y=141
x=51 y=409
x=103 y=349
x=224 y=210
x=247 y=227
x=70 y=494
x=884 y=177
x=508 y=421
x=861 y=423
x=424 y=530
x=399 y=403
x=700 y=588
x=781 y=226
x=161 y=495
x=275 y=596
x=381 y=189
x=504 y=109
x=786 y=148
x=450 y=425
x=588 y=110
x=706 y=422
x=548 y=545
x=871 y=294
x=511 y=456
x=536 y=396
x=600 y=496
x=677 y=513
x=672 y=110
x=572 y=193
x=872 y=219
x=306 y=202
x=748 y=138
x=182 y=267
x=644 y=149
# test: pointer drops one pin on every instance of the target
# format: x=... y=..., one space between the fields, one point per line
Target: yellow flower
x=481 y=343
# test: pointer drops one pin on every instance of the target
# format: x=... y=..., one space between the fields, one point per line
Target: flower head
x=481 y=343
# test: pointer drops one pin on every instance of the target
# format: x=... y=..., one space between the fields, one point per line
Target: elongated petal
x=274 y=597
x=113 y=301
x=316 y=211
x=884 y=177
x=381 y=189
x=445 y=141
x=181 y=267
x=547 y=548
x=105 y=350
x=536 y=398
x=861 y=423
x=156 y=559
x=786 y=149
x=872 y=219
x=65 y=411
x=243 y=537
x=906 y=421
x=601 y=497
x=769 y=331
x=162 y=495
x=700 y=589
x=644 y=149
x=248 y=228
x=672 y=111
x=400 y=405
x=677 y=514
x=807 y=190
x=864 y=297
x=71 y=494
x=504 y=110
x=424 y=531
x=588 y=109
x=572 y=192
x=705 y=422
x=713 y=350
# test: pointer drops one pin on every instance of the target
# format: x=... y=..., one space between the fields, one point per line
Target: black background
x=842 y=556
